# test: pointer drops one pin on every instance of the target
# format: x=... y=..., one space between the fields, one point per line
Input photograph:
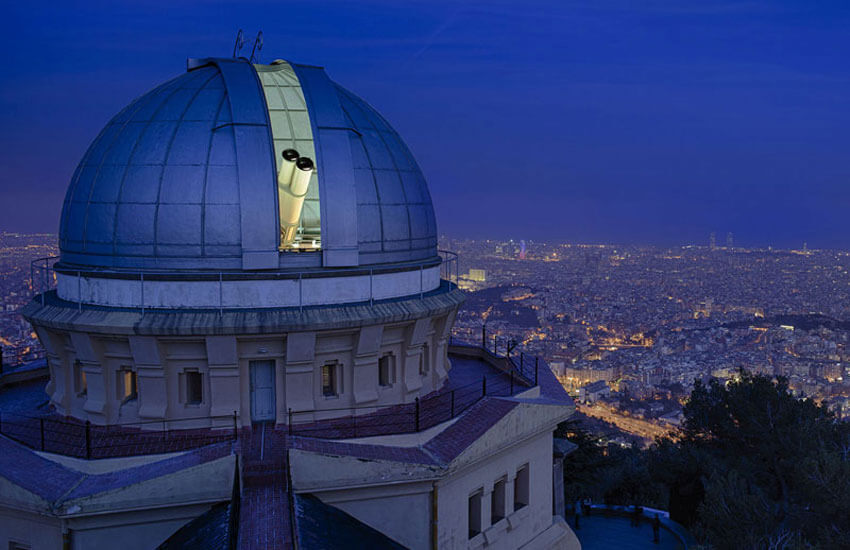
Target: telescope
x=293 y=181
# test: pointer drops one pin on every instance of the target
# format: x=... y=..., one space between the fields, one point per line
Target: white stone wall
x=223 y=361
x=226 y=294
x=36 y=531
x=519 y=526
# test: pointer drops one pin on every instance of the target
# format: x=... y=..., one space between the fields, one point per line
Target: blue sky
x=599 y=121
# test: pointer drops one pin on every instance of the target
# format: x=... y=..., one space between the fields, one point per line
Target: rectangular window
x=80 y=384
x=497 y=500
x=127 y=384
x=424 y=360
x=329 y=380
x=521 y=486
x=475 y=513
x=385 y=371
x=194 y=388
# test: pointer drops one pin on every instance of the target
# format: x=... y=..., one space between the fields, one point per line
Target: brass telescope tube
x=291 y=193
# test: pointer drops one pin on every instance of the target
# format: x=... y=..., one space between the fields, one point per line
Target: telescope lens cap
x=304 y=163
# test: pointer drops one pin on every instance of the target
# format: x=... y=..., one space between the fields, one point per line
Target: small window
x=329 y=380
x=475 y=513
x=497 y=500
x=81 y=386
x=194 y=388
x=424 y=360
x=521 y=488
x=128 y=388
x=385 y=371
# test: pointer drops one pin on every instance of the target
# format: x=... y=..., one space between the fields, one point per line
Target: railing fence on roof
x=499 y=347
x=419 y=415
x=87 y=440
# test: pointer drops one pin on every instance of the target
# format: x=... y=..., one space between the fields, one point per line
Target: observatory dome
x=186 y=177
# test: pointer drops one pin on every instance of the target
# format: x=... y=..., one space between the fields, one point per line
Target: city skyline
x=651 y=125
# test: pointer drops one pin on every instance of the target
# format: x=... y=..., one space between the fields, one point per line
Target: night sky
x=600 y=121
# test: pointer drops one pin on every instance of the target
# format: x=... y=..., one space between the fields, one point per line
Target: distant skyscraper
x=522 y=250
x=712 y=241
x=730 y=243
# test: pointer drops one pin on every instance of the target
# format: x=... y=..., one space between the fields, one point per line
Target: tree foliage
x=751 y=467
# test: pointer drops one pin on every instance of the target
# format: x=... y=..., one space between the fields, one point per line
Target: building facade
x=251 y=250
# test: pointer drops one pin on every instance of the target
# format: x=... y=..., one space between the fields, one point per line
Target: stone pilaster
x=365 y=375
x=509 y=493
x=441 y=336
x=60 y=388
x=152 y=378
x=223 y=362
x=300 y=371
x=412 y=350
x=97 y=405
x=486 y=507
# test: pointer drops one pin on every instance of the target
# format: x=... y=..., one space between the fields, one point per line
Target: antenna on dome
x=258 y=45
x=240 y=41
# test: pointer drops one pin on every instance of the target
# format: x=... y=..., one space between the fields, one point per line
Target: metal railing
x=86 y=440
x=43 y=277
x=421 y=414
x=499 y=347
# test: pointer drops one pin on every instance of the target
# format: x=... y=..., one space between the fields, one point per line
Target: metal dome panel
x=395 y=214
x=185 y=177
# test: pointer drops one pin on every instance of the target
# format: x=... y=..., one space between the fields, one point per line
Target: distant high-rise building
x=522 y=250
x=730 y=243
x=805 y=247
x=712 y=241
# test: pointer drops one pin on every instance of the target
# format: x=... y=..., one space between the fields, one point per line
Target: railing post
x=354 y=422
x=88 y=440
x=512 y=382
x=536 y=360
x=484 y=386
x=496 y=345
x=220 y=294
x=484 y=336
x=417 y=413
x=371 y=288
x=453 y=404
x=300 y=292
x=521 y=361
x=421 y=284
x=235 y=427
x=290 y=420
x=79 y=291
x=142 y=285
x=41 y=423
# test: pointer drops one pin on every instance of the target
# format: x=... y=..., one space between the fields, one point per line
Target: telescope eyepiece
x=290 y=154
x=304 y=163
